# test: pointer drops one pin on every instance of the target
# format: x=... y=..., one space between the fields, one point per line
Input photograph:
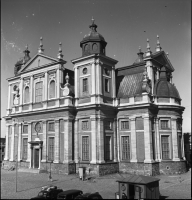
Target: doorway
x=36 y=158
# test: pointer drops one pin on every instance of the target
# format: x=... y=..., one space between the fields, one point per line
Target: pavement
x=29 y=184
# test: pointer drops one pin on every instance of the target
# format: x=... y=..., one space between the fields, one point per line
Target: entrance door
x=36 y=158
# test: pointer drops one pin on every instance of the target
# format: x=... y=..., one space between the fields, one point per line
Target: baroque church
x=95 y=116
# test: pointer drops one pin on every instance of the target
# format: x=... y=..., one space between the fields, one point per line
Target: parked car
x=69 y=194
x=95 y=195
x=48 y=192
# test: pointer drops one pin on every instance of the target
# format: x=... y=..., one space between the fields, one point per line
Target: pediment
x=38 y=61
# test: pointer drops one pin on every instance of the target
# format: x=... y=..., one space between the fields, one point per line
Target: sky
x=125 y=25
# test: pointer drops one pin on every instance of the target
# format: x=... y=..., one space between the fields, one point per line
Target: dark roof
x=139 y=179
x=130 y=85
x=163 y=88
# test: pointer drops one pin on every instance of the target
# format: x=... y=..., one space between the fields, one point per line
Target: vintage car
x=69 y=194
x=95 y=195
x=48 y=192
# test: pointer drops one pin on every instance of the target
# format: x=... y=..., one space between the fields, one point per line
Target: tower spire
x=93 y=26
x=148 y=52
x=158 y=48
x=60 y=55
x=41 y=50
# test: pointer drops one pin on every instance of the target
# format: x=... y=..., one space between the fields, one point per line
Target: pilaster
x=57 y=145
x=148 y=140
x=44 y=150
x=76 y=143
x=133 y=140
x=31 y=92
x=115 y=140
x=29 y=145
x=7 y=143
x=100 y=135
x=118 y=142
x=157 y=139
x=46 y=89
x=175 y=139
x=93 y=140
x=12 y=142
x=19 y=142
x=21 y=92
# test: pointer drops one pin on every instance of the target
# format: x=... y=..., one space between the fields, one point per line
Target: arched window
x=52 y=89
x=26 y=95
x=39 y=91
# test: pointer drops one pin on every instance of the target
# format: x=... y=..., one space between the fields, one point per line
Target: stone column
x=46 y=89
x=58 y=85
x=113 y=86
x=182 y=143
x=31 y=89
x=57 y=145
x=7 y=143
x=68 y=141
x=29 y=145
x=93 y=78
x=76 y=81
x=40 y=149
x=93 y=140
x=174 y=139
x=148 y=141
x=76 y=143
x=133 y=140
x=44 y=150
x=100 y=136
x=118 y=142
x=12 y=142
x=9 y=96
x=19 y=142
x=115 y=139
x=157 y=138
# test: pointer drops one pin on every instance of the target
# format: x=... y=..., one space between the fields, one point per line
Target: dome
x=163 y=88
x=93 y=35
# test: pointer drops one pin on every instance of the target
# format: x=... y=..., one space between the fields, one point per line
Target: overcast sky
x=125 y=25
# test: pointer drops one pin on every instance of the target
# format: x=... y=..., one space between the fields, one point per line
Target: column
x=100 y=134
x=57 y=145
x=67 y=141
x=7 y=143
x=19 y=142
x=113 y=82
x=93 y=78
x=31 y=89
x=44 y=150
x=29 y=149
x=76 y=143
x=133 y=140
x=21 y=92
x=12 y=142
x=148 y=141
x=46 y=87
x=182 y=142
x=9 y=96
x=174 y=139
x=157 y=145
x=76 y=83
x=93 y=141
x=115 y=139
x=118 y=142
x=58 y=84
x=40 y=149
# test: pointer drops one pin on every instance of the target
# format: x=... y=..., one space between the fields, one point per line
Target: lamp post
x=16 y=173
x=50 y=177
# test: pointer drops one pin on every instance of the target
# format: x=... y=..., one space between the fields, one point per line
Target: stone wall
x=173 y=167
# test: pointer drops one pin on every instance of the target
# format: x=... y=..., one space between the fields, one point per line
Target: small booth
x=138 y=187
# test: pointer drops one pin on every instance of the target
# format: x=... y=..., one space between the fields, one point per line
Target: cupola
x=93 y=42
x=140 y=57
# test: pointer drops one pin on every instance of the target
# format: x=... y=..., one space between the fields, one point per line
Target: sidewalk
x=29 y=184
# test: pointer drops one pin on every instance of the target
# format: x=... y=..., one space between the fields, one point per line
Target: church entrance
x=36 y=158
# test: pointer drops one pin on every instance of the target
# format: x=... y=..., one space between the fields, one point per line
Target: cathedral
x=97 y=116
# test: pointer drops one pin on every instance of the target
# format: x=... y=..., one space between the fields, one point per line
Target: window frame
x=24 y=99
x=52 y=156
x=169 y=140
x=107 y=87
x=50 y=122
x=87 y=127
x=106 y=125
x=111 y=148
x=85 y=86
x=25 y=125
x=121 y=125
x=169 y=124
x=129 y=148
x=88 y=154
x=35 y=93
x=24 y=149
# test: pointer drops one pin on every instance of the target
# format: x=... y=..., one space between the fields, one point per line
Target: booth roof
x=138 y=179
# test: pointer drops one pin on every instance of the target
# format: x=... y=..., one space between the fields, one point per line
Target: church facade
x=108 y=120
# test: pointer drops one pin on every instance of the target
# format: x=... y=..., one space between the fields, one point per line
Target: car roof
x=67 y=192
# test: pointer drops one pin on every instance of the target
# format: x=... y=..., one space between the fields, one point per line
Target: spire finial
x=92 y=20
x=148 y=53
x=139 y=49
x=67 y=78
x=26 y=47
x=41 y=50
x=167 y=55
x=158 y=48
x=93 y=26
x=60 y=55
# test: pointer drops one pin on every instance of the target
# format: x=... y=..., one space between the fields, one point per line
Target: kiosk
x=138 y=187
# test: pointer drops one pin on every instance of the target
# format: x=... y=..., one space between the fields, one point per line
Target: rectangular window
x=25 y=128
x=51 y=149
x=85 y=148
x=165 y=147
x=25 y=145
x=108 y=125
x=38 y=91
x=108 y=155
x=85 y=125
x=85 y=85
x=139 y=123
x=106 y=85
x=3 y=149
x=125 y=148
x=164 y=124
x=124 y=125
x=51 y=126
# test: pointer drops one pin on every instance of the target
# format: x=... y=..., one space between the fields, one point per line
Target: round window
x=38 y=127
x=106 y=71
x=84 y=70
